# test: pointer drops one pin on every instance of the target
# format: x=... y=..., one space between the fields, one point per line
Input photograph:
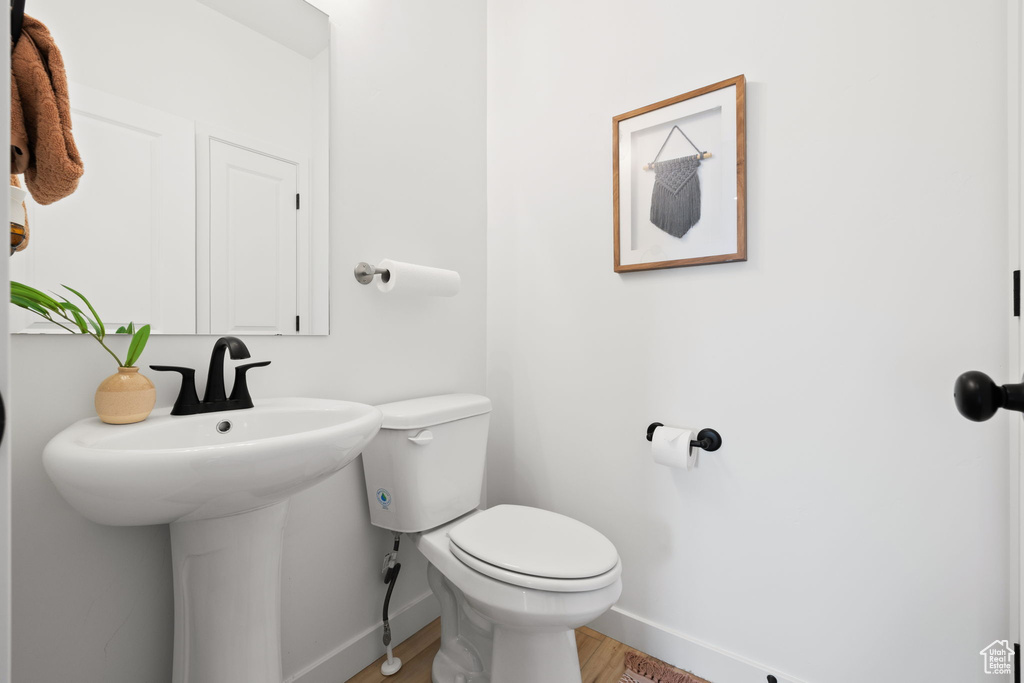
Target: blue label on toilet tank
x=384 y=498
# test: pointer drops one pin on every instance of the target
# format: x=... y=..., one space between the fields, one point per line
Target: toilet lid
x=535 y=542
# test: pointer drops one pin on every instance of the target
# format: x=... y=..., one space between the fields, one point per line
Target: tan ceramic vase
x=125 y=397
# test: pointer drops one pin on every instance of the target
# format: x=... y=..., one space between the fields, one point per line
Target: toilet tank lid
x=417 y=413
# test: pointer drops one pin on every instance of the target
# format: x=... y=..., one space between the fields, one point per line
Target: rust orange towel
x=42 y=146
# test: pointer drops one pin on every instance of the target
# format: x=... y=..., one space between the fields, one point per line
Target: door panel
x=252 y=205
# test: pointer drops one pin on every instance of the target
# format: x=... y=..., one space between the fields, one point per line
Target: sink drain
x=224 y=426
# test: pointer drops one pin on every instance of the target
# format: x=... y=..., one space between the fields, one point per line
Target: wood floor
x=600 y=658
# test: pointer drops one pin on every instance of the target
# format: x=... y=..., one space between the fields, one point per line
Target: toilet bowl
x=513 y=581
x=503 y=630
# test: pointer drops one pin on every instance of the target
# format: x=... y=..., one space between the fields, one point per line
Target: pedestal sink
x=222 y=481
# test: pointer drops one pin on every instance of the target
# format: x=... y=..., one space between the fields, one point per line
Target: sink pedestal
x=227 y=597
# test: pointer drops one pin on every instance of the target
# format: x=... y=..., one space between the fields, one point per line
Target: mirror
x=203 y=128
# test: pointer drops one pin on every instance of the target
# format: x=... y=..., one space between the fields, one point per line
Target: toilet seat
x=539 y=583
x=535 y=549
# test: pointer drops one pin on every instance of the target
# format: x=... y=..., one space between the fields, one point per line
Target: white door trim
x=5 y=442
x=1015 y=173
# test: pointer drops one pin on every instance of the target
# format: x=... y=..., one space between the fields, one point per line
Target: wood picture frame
x=679 y=180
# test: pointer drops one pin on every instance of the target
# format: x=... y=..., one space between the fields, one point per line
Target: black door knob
x=978 y=398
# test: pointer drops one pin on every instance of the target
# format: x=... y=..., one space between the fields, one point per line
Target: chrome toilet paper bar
x=364 y=273
x=707 y=438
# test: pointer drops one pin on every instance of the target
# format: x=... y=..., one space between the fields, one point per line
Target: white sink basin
x=173 y=468
x=222 y=481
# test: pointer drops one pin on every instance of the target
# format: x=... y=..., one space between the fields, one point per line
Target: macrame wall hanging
x=675 y=202
x=655 y=215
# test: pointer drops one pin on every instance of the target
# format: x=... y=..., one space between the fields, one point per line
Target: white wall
x=853 y=527
x=92 y=604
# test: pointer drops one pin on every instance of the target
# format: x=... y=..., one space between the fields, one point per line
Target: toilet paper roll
x=671 y=447
x=410 y=278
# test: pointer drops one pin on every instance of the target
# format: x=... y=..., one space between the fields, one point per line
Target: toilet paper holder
x=707 y=438
x=364 y=273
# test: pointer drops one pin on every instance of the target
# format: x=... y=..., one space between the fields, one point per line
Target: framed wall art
x=679 y=180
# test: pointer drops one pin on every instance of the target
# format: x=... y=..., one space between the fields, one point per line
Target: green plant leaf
x=101 y=331
x=135 y=349
x=80 y=321
x=25 y=290
x=44 y=300
x=22 y=302
x=131 y=328
x=122 y=330
x=83 y=326
x=67 y=305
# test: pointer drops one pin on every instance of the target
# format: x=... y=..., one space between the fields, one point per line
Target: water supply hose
x=393 y=578
x=391 y=569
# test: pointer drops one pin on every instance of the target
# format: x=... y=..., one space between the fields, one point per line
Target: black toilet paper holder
x=707 y=438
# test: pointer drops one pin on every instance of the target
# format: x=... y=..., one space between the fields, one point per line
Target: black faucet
x=214 y=399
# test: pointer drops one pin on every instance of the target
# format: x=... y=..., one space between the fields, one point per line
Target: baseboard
x=701 y=659
x=351 y=657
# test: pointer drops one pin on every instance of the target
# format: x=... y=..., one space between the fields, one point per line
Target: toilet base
x=466 y=637
x=538 y=657
x=476 y=650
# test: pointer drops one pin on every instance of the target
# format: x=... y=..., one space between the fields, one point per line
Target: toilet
x=513 y=581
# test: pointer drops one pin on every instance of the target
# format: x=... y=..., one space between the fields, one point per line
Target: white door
x=128 y=232
x=978 y=396
x=253 y=215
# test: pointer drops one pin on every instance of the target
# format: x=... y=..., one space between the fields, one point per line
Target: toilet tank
x=426 y=465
